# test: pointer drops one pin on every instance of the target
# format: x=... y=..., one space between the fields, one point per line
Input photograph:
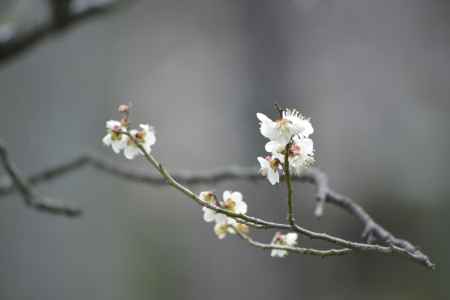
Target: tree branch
x=14 y=40
x=30 y=196
x=300 y=250
x=313 y=176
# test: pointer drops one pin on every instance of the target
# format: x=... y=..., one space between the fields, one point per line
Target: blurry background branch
x=373 y=232
x=29 y=195
x=26 y=23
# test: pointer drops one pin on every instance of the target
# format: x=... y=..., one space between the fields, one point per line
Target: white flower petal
x=264 y=163
x=131 y=151
x=145 y=127
x=307 y=128
x=263 y=118
x=221 y=218
x=307 y=146
x=274 y=146
x=151 y=138
x=107 y=140
x=231 y=221
x=147 y=148
x=112 y=124
x=208 y=214
x=241 y=207
x=278 y=253
x=220 y=230
x=236 y=196
x=117 y=146
x=267 y=126
x=291 y=238
x=273 y=176
x=226 y=195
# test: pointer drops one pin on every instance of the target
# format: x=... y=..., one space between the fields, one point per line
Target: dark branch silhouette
x=30 y=196
x=63 y=15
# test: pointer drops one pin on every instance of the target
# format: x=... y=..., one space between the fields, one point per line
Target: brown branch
x=324 y=194
x=29 y=195
x=63 y=15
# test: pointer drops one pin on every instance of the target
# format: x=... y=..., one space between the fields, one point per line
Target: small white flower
x=115 y=138
x=233 y=202
x=279 y=239
x=291 y=124
x=210 y=215
x=221 y=230
x=144 y=137
x=231 y=226
x=301 y=153
x=270 y=168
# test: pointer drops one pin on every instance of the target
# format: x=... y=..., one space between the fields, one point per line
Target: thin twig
x=305 y=251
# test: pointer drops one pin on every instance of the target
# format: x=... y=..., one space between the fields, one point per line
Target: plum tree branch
x=30 y=196
x=389 y=244
x=16 y=38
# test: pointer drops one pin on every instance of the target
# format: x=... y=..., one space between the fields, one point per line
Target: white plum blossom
x=115 y=138
x=270 y=167
x=231 y=201
x=210 y=215
x=145 y=137
x=279 y=239
x=282 y=130
x=229 y=227
x=291 y=131
x=301 y=153
x=222 y=229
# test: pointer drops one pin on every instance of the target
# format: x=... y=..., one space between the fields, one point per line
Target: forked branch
x=388 y=243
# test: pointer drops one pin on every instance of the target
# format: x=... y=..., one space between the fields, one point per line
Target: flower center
x=284 y=126
x=115 y=134
x=295 y=150
x=274 y=163
x=140 y=136
x=229 y=204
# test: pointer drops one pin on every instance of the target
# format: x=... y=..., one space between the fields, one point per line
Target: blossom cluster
x=232 y=202
x=288 y=138
x=288 y=134
x=289 y=239
x=119 y=137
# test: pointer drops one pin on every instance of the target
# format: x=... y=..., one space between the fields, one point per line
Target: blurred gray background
x=372 y=75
